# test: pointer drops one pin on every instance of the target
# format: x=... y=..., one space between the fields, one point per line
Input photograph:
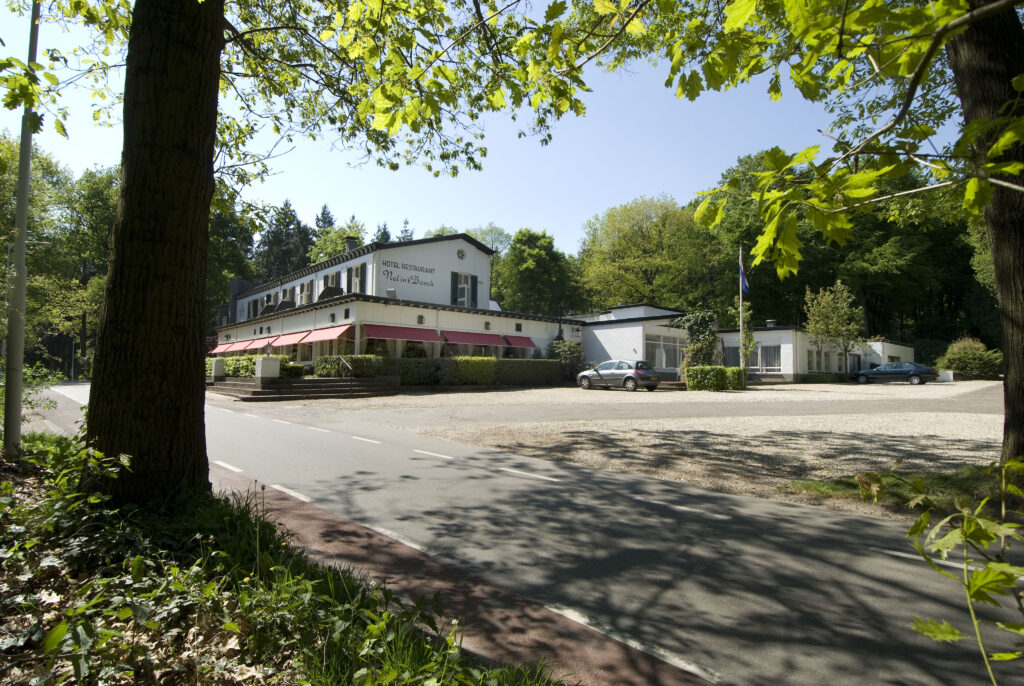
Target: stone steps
x=248 y=390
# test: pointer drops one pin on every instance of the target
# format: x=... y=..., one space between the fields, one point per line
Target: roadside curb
x=494 y=624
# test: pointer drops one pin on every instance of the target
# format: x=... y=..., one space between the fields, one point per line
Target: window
x=893 y=358
x=330 y=317
x=771 y=358
x=607 y=366
x=519 y=327
x=487 y=326
x=261 y=330
x=828 y=361
x=810 y=360
x=464 y=289
x=346 y=313
x=651 y=346
x=419 y=319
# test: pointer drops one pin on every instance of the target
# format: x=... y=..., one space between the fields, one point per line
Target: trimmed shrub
x=413 y=371
x=477 y=371
x=734 y=379
x=361 y=365
x=970 y=359
x=209 y=366
x=292 y=371
x=528 y=372
x=706 y=378
x=245 y=365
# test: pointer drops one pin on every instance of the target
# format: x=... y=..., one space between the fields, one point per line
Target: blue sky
x=636 y=140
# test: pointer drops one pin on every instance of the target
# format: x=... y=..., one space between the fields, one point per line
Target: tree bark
x=148 y=387
x=984 y=58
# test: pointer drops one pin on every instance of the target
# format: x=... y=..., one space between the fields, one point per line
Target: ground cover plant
x=205 y=590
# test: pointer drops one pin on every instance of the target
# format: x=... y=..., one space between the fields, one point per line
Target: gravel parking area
x=754 y=442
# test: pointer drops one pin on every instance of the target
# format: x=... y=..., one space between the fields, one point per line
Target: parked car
x=628 y=374
x=898 y=371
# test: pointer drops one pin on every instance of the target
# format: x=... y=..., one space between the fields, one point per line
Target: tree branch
x=915 y=80
x=611 y=39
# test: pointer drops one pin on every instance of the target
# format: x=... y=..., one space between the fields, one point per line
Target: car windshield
x=642 y=364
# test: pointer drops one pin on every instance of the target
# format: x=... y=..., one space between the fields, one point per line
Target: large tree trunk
x=148 y=385
x=984 y=59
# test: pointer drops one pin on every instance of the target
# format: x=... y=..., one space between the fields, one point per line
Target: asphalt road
x=739 y=590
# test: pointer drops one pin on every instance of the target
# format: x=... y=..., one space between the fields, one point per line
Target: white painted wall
x=423 y=272
x=613 y=340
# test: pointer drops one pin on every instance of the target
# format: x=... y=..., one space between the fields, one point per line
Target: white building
x=422 y=298
x=785 y=353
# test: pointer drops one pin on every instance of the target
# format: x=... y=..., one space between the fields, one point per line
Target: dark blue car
x=898 y=371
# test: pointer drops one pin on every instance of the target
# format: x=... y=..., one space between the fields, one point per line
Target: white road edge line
x=671 y=658
x=229 y=467
x=918 y=558
x=398 y=537
x=254 y=416
x=681 y=508
x=294 y=494
x=427 y=452
x=281 y=421
x=317 y=428
x=528 y=475
x=365 y=440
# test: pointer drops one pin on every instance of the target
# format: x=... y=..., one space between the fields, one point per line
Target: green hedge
x=447 y=371
x=358 y=365
x=528 y=372
x=712 y=378
x=476 y=371
x=735 y=379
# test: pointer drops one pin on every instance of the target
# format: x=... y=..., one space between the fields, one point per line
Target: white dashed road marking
x=365 y=440
x=427 y=452
x=294 y=494
x=317 y=428
x=681 y=508
x=528 y=475
x=229 y=467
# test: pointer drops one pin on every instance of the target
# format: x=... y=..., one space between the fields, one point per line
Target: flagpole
x=743 y=361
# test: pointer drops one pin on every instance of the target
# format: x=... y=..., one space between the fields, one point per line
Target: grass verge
x=208 y=591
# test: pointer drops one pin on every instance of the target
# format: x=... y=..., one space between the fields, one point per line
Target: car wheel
x=915 y=380
x=585 y=383
x=861 y=378
x=629 y=384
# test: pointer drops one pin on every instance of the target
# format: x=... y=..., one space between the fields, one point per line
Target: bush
x=735 y=380
x=292 y=371
x=706 y=378
x=528 y=372
x=570 y=355
x=245 y=366
x=970 y=359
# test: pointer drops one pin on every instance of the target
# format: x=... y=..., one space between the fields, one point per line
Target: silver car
x=627 y=374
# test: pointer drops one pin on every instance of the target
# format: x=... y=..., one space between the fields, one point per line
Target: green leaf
x=555 y=10
x=1011 y=135
x=1014 y=628
x=937 y=631
x=636 y=27
x=1002 y=657
x=54 y=636
x=977 y=195
x=138 y=569
x=604 y=6
x=738 y=13
x=1018 y=83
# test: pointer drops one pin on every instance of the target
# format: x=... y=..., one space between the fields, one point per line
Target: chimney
x=351 y=243
x=770 y=323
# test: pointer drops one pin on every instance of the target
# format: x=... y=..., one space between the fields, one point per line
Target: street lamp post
x=16 y=306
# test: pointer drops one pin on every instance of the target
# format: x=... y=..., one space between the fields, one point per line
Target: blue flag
x=743 y=277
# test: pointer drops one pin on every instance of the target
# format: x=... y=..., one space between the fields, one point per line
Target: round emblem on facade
x=461 y=253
